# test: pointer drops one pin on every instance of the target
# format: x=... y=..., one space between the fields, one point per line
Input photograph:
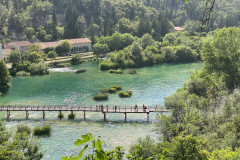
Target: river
x=64 y=87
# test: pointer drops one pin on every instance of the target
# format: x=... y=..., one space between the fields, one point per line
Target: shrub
x=132 y=71
x=62 y=65
x=112 y=90
x=71 y=116
x=42 y=131
x=124 y=94
x=21 y=128
x=111 y=71
x=107 y=64
x=117 y=87
x=40 y=68
x=76 y=59
x=60 y=115
x=100 y=96
x=119 y=71
x=81 y=71
x=22 y=73
x=52 y=55
x=104 y=90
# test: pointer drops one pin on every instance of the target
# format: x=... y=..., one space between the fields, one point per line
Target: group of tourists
x=136 y=108
x=101 y=107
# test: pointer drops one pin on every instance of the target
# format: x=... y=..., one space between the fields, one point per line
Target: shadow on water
x=130 y=121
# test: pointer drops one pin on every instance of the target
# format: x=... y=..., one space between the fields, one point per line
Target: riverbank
x=150 y=86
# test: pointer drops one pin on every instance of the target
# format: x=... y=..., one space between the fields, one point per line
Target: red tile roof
x=45 y=45
x=79 y=40
x=179 y=28
x=16 y=44
x=5 y=52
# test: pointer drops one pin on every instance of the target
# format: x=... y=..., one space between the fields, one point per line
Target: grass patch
x=81 y=71
x=62 y=65
x=125 y=94
x=100 y=97
x=42 y=131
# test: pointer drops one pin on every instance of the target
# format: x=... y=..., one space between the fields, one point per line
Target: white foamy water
x=66 y=69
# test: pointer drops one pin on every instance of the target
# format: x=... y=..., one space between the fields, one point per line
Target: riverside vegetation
x=205 y=119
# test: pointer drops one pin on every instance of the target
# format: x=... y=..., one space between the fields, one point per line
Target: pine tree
x=54 y=25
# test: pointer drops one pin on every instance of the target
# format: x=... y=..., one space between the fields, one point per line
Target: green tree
x=136 y=52
x=32 y=57
x=4 y=77
x=54 y=25
x=21 y=146
x=29 y=32
x=63 y=48
x=222 y=54
x=188 y=148
x=99 y=49
x=52 y=55
x=14 y=57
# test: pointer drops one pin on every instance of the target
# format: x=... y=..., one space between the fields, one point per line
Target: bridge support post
x=84 y=115
x=147 y=117
x=27 y=114
x=8 y=114
x=71 y=112
x=125 y=117
x=104 y=116
x=43 y=114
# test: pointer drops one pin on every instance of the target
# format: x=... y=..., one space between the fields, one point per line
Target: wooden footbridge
x=101 y=109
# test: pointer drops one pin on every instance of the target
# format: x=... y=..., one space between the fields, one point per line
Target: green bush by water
x=100 y=97
x=118 y=71
x=22 y=73
x=125 y=94
x=60 y=115
x=104 y=90
x=21 y=128
x=71 y=116
x=81 y=70
x=112 y=90
x=42 y=131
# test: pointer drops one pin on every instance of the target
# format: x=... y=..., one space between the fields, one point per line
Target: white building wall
x=1 y=56
x=81 y=47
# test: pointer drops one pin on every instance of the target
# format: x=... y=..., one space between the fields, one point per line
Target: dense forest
x=50 y=20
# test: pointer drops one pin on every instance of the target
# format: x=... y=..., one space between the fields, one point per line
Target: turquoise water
x=63 y=87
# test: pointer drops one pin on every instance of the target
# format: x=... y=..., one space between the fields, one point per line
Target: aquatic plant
x=112 y=90
x=125 y=94
x=117 y=87
x=100 y=97
x=104 y=90
x=71 y=116
x=60 y=115
x=132 y=71
x=81 y=70
x=42 y=131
